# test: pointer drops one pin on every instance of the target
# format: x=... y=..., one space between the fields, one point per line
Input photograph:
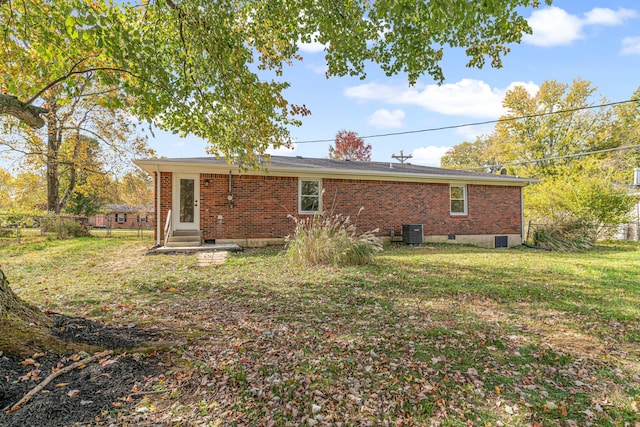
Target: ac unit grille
x=412 y=234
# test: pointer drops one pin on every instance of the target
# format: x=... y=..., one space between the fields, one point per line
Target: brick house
x=223 y=204
x=124 y=216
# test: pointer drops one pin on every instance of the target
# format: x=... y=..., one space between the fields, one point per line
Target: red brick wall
x=258 y=210
x=261 y=204
x=388 y=205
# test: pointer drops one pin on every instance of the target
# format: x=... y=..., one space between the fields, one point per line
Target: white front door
x=186 y=202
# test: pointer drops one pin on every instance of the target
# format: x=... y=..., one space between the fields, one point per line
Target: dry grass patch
x=438 y=335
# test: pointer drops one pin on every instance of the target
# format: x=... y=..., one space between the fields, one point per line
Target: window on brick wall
x=458 y=199
x=142 y=218
x=121 y=218
x=309 y=196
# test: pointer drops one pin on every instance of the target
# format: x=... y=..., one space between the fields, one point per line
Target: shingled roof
x=311 y=165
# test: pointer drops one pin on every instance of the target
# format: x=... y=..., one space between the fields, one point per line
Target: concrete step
x=182 y=243
x=183 y=238
x=186 y=233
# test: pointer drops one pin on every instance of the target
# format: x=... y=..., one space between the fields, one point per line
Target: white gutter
x=396 y=175
x=158 y=201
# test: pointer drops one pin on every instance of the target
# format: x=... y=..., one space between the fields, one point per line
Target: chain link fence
x=32 y=228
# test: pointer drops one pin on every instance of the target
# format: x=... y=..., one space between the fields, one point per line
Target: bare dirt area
x=94 y=393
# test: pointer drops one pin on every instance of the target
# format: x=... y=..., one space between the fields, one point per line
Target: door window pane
x=187 y=198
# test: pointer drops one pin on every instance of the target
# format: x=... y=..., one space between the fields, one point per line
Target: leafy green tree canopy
x=476 y=156
x=213 y=68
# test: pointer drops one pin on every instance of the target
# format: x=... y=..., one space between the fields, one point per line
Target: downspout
x=522 y=215
x=159 y=211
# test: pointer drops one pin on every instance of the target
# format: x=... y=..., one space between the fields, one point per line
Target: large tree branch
x=26 y=113
x=74 y=72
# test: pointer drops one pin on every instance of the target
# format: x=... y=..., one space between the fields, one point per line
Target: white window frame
x=142 y=218
x=300 y=195
x=123 y=216
x=463 y=199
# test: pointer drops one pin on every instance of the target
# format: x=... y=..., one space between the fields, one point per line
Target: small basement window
x=458 y=197
x=309 y=196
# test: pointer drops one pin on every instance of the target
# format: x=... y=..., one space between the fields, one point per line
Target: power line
x=487 y=122
x=567 y=156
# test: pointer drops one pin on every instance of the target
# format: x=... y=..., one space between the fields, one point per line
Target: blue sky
x=595 y=40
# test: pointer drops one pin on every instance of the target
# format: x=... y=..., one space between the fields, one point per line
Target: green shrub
x=7 y=232
x=584 y=205
x=64 y=227
x=330 y=239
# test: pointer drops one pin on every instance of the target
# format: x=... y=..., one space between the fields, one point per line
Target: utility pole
x=402 y=157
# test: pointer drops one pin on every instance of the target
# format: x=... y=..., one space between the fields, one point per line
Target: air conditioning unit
x=412 y=234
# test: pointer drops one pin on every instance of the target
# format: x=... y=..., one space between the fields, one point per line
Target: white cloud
x=313 y=46
x=553 y=26
x=630 y=46
x=470 y=133
x=606 y=16
x=385 y=119
x=282 y=151
x=371 y=92
x=428 y=156
x=468 y=97
x=319 y=69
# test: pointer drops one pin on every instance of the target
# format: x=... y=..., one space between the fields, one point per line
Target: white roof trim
x=149 y=165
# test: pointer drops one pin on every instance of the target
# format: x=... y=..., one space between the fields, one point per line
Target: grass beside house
x=433 y=335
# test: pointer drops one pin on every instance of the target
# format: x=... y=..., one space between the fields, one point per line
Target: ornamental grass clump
x=570 y=237
x=331 y=239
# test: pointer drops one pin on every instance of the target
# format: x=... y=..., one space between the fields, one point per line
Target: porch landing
x=207 y=247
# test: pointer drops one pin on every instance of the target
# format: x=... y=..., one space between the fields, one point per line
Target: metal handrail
x=168 y=225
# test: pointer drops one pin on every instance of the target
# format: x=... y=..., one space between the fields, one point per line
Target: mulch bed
x=92 y=395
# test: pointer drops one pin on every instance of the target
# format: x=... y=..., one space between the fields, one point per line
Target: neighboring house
x=124 y=216
x=224 y=204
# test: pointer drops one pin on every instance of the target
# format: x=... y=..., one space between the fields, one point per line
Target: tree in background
x=579 y=192
x=29 y=191
x=560 y=124
x=475 y=156
x=209 y=68
x=625 y=132
x=6 y=189
x=349 y=146
x=85 y=139
x=135 y=188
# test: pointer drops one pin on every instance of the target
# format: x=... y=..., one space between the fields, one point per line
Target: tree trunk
x=25 y=330
x=53 y=147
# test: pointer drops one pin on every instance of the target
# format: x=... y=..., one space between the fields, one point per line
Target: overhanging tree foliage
x=212 y=69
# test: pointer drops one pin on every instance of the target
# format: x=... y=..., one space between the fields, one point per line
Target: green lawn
x=433 y=335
